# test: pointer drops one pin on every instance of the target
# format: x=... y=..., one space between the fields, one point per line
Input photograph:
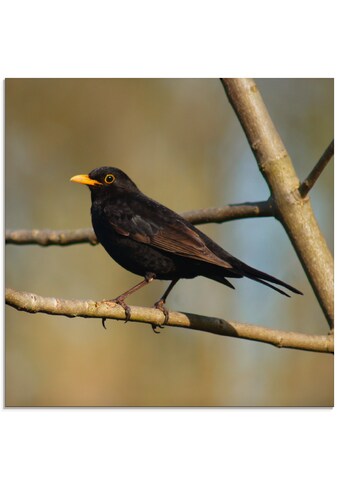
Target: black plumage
x=153 y=241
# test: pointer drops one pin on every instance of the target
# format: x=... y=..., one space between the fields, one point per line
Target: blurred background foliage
x=180 y=141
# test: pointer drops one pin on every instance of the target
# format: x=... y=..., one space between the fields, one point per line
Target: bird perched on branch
x=153 y=241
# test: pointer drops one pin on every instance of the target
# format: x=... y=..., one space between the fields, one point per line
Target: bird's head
x=106 y=180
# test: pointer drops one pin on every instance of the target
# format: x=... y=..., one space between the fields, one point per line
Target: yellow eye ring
x=109 y=179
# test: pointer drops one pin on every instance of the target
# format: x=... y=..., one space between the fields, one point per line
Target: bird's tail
x=264 y=278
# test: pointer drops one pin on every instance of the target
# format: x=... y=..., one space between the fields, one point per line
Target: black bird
x=152 y=241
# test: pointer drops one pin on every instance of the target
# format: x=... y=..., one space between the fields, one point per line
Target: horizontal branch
x=32 y=303
x=230 y=212
x=46 y=237
x=313 y=176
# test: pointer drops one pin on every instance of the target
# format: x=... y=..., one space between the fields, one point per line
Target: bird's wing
x=174 y=236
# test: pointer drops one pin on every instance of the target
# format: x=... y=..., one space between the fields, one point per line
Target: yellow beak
x=84 y=179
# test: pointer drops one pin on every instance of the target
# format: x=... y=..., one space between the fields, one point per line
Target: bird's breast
x=135 y=256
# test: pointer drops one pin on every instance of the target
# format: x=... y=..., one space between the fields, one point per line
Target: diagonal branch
x=46 y=237
x=32 y=303
x=313 y=176
x=293 y=211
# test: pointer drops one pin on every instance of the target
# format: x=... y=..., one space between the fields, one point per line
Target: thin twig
x=32 y=303
x=313 y=176
x=46 y=237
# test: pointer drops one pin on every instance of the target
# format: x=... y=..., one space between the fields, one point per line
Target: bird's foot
x=120 y=301
x=160 y=305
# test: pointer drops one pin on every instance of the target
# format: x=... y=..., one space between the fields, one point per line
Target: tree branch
x=313 y=176
x=230 y=212
x=32 y=303
x=293 y=211
x=46 y=237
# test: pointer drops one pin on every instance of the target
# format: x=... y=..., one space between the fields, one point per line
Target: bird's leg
x=120 y=300
x=160 y=304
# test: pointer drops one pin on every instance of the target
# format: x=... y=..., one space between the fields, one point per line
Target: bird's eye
x=109 y=179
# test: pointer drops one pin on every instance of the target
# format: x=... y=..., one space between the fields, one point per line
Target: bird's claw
x=124 y=305
x=159 y=305
x=121 y=302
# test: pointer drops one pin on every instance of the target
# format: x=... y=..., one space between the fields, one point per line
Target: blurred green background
x=180 y=141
